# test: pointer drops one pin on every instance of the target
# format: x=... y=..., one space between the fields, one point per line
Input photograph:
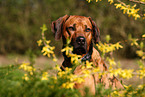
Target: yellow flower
x=141 y=72
x=126 y=73
x=96 y=69
x=109 y=48
x=112 y=62
x=25 y=77
x=118 y=5
x=136 y=16
x=141 y=86
x=108 y=38
x=47 y=50
x=68 y=69
x=143 y=16
x=54 y=59
x=39 y=42
x=45 y=76
x=79 y=80
x=117 y=45
x=48 y=41
x=86 y=73
x=61 y=73
x=143 y=35
x=67 y=50
x=57 y=67
x=72 y=77
x=115 y=71
x=89 y=64
x=106 y=48
x=68 y=85
x=140 y=53
x=43 y=28
x=111 y=1
x=27 y=67
x=143 y=57
x=89 y=1
x=23 y=66
x=75 y=58
x=115 y=94
x=127 y=87
x=134 y=42
x=130 y=10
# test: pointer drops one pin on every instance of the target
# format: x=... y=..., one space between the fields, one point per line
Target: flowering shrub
x=130 y=10
x=37 y=82
x=66 y=79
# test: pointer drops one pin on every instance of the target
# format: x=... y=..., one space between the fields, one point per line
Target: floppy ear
x=56 y=26
x=96 y=32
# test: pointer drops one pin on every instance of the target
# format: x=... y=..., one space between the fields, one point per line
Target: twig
x=43 y=38
x=121 y=2
x=141 y=2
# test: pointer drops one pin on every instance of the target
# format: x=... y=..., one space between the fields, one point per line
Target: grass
x=11 y=72
x=12 y=83
x=46 y=64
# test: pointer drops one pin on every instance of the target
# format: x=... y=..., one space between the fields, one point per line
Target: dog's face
x=79 y=29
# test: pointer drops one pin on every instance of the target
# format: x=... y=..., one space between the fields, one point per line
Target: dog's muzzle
x=80 y=41
x=80 y=45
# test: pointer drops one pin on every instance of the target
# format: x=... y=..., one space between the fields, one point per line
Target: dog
x=82 y=32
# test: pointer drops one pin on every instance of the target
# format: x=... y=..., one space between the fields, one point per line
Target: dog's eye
x=88 y=30
x=71 y=28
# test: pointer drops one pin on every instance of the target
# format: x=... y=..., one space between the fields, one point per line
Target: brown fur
x=73 y=27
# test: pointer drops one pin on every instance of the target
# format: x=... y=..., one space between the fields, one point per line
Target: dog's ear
x=96 y=31
x=56 y=26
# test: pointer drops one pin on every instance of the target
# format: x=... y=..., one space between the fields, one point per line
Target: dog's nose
x=80 y=40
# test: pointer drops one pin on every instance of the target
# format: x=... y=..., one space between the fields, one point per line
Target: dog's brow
x=86 y=27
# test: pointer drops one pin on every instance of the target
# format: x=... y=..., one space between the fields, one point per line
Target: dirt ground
x=18 y=59
x=45 y=62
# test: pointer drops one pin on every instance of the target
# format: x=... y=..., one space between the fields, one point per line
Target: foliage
x=20 y=21
x=128 y=9
x=26 y=80
x=34 y=82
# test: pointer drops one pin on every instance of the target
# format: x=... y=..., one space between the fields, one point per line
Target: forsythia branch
x=140 y=1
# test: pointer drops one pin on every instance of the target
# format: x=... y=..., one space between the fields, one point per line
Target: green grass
x=12 y=85
x=10 y=80
x=11 y=72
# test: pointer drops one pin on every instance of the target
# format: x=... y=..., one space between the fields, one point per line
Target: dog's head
x=79 y=29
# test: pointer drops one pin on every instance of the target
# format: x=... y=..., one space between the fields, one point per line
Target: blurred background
x=20 y=22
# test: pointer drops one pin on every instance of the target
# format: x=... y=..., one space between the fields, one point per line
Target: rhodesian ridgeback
x=82 y=32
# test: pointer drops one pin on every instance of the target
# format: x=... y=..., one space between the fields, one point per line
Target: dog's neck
x=88 y=56
x=67 y=60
